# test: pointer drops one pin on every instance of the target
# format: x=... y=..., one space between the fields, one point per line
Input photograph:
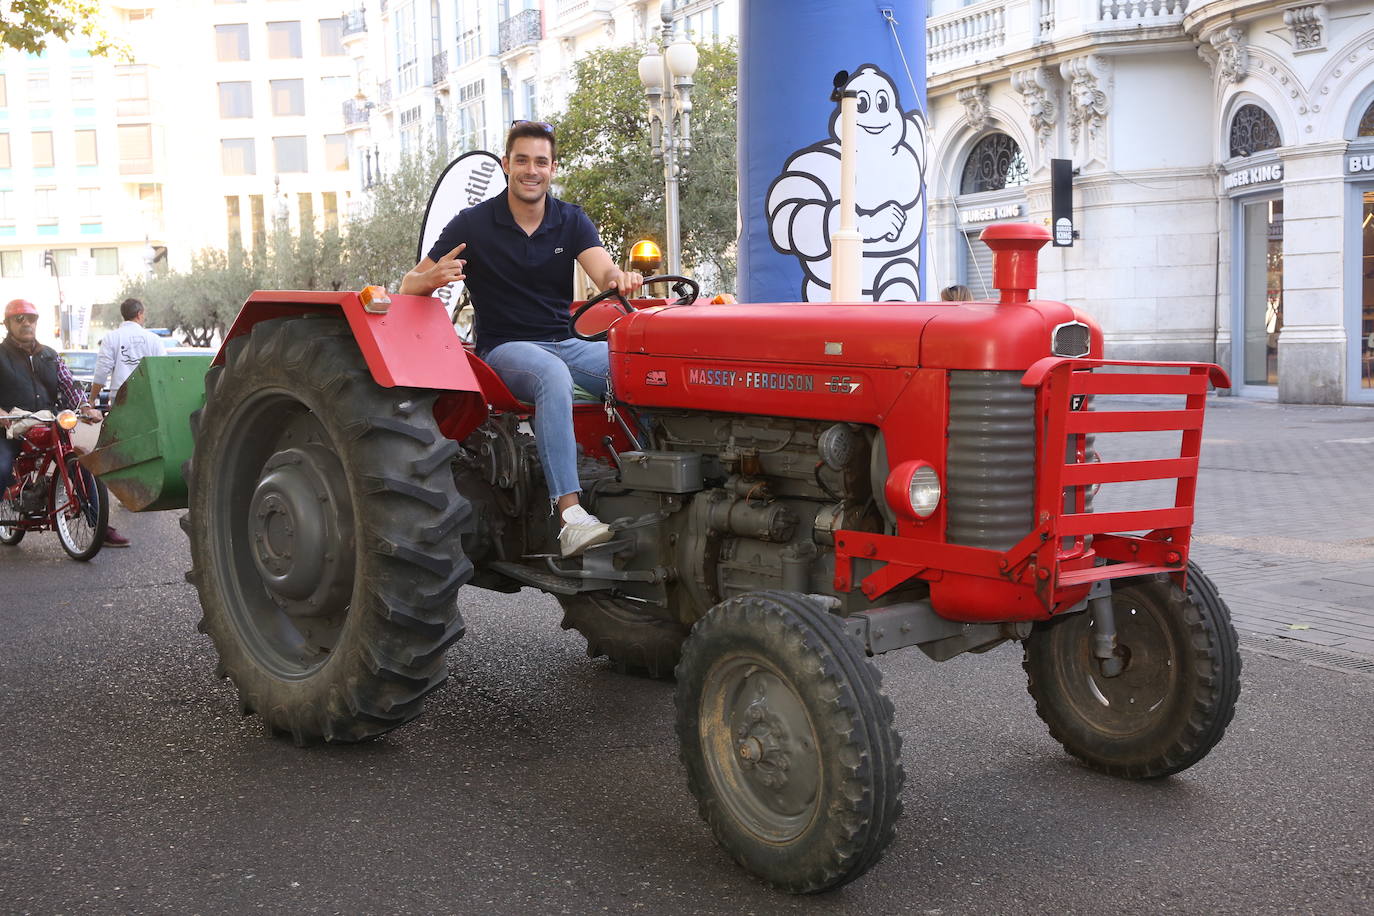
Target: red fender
x=414 y=344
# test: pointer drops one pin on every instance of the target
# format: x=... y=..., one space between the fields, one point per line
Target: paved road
x=542 y=782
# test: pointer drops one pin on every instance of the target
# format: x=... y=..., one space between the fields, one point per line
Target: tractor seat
x=499 y=397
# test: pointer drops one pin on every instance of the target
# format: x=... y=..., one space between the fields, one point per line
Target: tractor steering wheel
x=686 y=288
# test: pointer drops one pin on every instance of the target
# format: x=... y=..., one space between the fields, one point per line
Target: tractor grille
x=990 y=472
x=1071 y=339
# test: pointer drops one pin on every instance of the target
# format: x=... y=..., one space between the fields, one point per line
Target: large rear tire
x=325 y=534
x=1175 y=696
x=788 y=741
x=635 y=642
x=81 y=516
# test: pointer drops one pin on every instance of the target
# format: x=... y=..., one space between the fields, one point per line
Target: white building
x=1221 y=192
x=458 y=73
x=112 y=166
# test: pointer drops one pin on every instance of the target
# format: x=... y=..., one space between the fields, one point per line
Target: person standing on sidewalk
x=123 y=349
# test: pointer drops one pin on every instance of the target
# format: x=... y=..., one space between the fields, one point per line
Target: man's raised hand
x=449 y=268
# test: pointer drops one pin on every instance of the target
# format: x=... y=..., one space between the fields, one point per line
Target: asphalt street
x=540 y=781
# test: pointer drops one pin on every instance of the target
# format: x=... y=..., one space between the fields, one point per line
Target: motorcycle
x=51 y=490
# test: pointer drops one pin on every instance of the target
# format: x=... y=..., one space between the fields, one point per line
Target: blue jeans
x=542 y=373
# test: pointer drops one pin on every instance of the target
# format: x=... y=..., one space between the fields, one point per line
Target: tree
x=606 y=165
x=379 y=245
x=27 y=25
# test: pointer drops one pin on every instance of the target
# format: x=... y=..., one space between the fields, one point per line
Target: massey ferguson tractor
x=793 y=488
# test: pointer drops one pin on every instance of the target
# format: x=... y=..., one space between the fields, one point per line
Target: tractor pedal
x=537 y=578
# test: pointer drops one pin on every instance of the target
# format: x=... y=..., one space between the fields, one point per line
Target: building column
x=1312 y=343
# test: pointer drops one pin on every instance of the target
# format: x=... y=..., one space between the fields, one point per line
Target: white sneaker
x=581 y=530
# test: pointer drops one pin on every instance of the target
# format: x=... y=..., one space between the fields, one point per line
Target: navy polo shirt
x=520 y=284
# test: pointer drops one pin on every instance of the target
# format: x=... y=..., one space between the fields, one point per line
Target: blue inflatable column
x=789 y=164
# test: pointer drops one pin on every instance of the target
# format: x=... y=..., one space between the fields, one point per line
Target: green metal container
x=146 y=437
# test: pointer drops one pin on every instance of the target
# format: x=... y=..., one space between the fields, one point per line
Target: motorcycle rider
x=34 y=377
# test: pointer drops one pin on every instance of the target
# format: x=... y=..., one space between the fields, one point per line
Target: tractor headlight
x=913 y=489
x=66 y=419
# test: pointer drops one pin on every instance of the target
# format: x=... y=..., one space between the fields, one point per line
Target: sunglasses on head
x=544 y=124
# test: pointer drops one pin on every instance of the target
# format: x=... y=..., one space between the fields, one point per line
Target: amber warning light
x=375 y=299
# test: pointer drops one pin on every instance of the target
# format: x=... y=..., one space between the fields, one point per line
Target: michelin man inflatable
x=803 y=202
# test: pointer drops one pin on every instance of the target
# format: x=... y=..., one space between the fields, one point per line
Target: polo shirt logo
x=558 y=251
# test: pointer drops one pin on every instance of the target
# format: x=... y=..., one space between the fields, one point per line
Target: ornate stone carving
x=1233 y=59
x=1307 y=24
x=1089 y=82
x=1037 y=88
x=975 y=102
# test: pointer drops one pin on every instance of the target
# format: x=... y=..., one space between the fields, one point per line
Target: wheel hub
x=300 y=526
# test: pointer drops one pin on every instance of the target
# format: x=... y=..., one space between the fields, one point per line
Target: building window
x=331 y=38
x=259 y=223
x=471 y=120
x=994 y=163
x=233 y=220
x=6 y=205
x=131 y=88
x=88 y=201
x=335 y=153
x=288 y=97
x=62 y=260
x=1366 y=128
x=85 y=148
x=410 y=131
x=1367 y=278
x=39 y=88
x=1262 y=289
x=42 y=149
x=5 y=151
x=83 y=84
x=531 y=100
x=106 y=261
x=469 y=29
x=135 y=148
x=236 y=99
x=407 y=54
x=231 y=41
x=4 y=93
x=11 y=264
x=305 y=202
x=331 y=211
x=1253 y=130
x=239 y=156
x=289 y=153
x=283 y=40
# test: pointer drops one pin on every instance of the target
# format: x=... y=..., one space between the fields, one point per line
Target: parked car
x=82 y=365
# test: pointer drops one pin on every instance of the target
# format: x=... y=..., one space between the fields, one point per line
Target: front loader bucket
x=147 y=436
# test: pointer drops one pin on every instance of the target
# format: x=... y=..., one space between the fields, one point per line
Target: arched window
x=1367 y=123
x=995 y=163
x=1253 y=130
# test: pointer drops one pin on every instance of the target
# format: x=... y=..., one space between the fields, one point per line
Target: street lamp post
x=666 y=72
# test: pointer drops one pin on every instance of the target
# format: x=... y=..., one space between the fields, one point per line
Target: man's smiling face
x=530 y=168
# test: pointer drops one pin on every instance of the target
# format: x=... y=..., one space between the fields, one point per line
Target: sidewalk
x=1285 y=522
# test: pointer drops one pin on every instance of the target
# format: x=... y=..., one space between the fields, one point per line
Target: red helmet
x=20 y=307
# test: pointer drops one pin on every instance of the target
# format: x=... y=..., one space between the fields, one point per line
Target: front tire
x=1171 y=703
x=788 y=741
x=10 y=532
x=82 y=515
x=325 y=534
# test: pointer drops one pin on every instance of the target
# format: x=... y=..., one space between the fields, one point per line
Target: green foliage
x=379 y=245
x=28 y=25
x=606 y=165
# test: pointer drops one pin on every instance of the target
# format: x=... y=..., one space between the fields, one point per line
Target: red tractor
x=793 y=487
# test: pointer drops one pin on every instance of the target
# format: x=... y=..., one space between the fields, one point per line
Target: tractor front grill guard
x=1070 y=547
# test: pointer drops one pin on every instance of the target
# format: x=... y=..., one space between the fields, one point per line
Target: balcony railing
x=974 y=31
x=1142 y=12
x=524 y=28
x=441 y=68
x=354 y=22
x=355 y=112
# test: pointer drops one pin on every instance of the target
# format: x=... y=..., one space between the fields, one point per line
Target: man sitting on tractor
x=34 y=377
x=517 y=259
